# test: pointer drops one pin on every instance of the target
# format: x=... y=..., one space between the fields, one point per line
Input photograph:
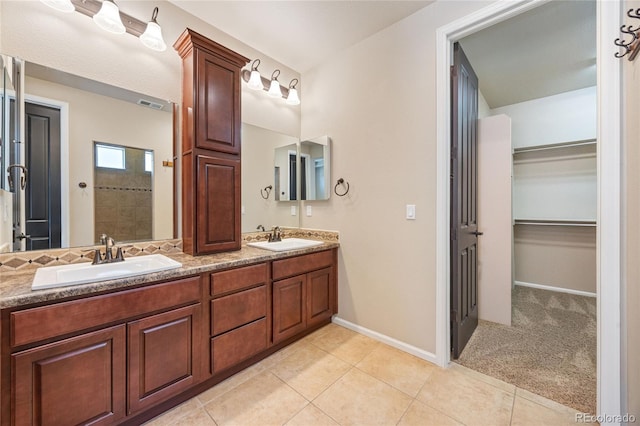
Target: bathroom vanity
x=123 y=351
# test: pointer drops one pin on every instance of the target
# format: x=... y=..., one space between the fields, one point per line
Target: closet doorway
x=537 y=202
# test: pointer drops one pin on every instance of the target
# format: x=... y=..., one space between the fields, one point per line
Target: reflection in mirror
x=315 y=168
x=89 y=111
x=284 y=172
x=258 y=159
x=123 y=182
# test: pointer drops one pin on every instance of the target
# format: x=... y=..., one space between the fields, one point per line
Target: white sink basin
x=82 y=273
x=286 y=244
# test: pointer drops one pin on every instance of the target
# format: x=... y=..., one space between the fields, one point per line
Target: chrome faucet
x=275 y=234
x=109 y=243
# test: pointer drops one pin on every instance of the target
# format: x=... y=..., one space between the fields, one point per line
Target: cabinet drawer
x=301 y=264
x=33 y=325
x=237 y=309
x=235 y=346
x=237 y=279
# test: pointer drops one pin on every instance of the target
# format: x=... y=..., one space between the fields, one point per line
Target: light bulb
x=255 y=81
x=108 y=18
x=293 y=98
x=152 y=37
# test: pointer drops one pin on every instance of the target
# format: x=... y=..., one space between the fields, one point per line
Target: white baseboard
x=420 y=353
x=558 y=289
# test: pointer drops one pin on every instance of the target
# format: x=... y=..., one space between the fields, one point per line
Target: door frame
x=64 y=161
x=609 y=236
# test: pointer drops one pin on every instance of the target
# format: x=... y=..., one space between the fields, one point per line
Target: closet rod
x=555 y=146
x=543 y=222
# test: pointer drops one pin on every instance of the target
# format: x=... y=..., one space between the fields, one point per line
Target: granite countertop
x=15 y=286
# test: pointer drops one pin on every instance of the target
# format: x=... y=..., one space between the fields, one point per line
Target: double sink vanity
x=124 y=350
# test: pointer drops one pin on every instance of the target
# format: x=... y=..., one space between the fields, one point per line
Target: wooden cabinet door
x=218 y=205
x=80 y=380
x=164 y=356
x=320 y=296
x=289 y=307
x=218 y=104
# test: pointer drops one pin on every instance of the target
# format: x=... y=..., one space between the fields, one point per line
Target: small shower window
x=110 y=157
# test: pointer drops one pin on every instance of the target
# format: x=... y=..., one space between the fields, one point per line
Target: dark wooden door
x=464 y=226
x=164 y=356
x=218 y=204
x=42 y=193
x=80 y=380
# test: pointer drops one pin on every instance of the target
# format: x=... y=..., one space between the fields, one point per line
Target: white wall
x=566 y=117
x=92 y=118
x=495 y=274
x=376 y=101
x=71 y=42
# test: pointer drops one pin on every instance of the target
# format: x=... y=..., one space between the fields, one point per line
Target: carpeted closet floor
x=550 y=349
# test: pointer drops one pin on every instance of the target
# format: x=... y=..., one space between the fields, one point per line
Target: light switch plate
x=309 y=211
x=293 y=211
x=411 y=211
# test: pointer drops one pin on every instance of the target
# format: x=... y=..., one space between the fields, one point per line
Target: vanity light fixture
x=108 y=18
x=292 y=98
x=274 y=88
x=60 y=5
x=255 y=80
x=152 y=36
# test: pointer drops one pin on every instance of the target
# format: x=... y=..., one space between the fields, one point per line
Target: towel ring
x=343 y=183
x=266 y=190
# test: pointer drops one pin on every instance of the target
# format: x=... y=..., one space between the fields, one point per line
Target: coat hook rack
x=343 y=183
x=630 y=46
x=266 y=191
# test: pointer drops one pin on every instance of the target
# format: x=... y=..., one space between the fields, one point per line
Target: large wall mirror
x=67 y=199
x=261 y=188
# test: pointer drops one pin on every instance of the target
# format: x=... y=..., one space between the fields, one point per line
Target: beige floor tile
x=232 y=382
x=359 y=399
x=507 y=387
x=419 y=414
x=529 y=413
x=172 y=416
x=311 y=416
x=347 y=345
x=466 y=399
x=399 y=369
x=261 y=400
x=310 y=371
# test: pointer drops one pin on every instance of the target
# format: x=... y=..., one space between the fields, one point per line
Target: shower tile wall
x=123 y=200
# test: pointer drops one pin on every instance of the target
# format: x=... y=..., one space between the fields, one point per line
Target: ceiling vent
x=150 y=104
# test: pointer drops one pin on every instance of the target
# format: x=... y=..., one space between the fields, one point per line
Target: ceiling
x=545 y=51
x=548 y=50
x=300 y=34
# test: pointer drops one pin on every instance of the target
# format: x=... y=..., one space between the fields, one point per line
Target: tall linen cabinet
x=211 y=125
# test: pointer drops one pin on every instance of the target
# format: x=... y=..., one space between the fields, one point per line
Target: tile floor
x=338 y=377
